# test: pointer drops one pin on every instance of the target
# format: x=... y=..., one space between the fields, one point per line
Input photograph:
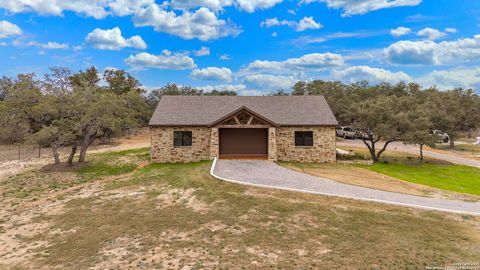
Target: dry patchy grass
x=173 y=216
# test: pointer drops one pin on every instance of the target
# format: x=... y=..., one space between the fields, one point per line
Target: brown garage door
x=243 y=142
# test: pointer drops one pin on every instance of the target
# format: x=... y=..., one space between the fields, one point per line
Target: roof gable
x=205 y=110
x=240 y=110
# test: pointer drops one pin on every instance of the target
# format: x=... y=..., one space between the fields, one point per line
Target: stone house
x=284 y=128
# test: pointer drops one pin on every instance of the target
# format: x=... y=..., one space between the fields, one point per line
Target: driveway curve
x=267 y=174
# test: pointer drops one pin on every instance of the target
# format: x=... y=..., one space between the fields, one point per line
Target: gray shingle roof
x=204 y=110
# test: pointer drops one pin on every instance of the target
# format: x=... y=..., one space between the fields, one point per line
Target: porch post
x=272 y=144
x=214 y=151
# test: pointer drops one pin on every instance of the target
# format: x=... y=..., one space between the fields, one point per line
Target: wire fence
x=22 y=152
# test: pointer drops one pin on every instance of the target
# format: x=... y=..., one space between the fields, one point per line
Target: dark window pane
x=182 y=138
x=303 y=138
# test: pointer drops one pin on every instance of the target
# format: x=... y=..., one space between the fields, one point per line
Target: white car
x=346 y=132
x=477 y=142
x=442 y=136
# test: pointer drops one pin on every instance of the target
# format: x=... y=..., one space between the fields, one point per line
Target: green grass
x=457 y=178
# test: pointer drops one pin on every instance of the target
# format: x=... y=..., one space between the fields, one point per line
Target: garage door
x=243 y=142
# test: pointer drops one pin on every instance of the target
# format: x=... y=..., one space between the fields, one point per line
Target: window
x=303 y=138
x=182 y=138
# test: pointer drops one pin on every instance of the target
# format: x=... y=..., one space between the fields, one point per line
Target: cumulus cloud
x=212 y=74
x=203 y=51
x=355 y=7
x=9 y=29
x=302 y=25
x=91 y=8
x=308 y=62
x=201 y=24
x=252 y=5
x=450 y=79
x=128 y=7
x=430 y=33
x=211 y=4
x=164 y=61
x=223 y=87
x=400 y=31
x=434 y=53
x=112 y=39
x=271 y=82
x=372 y=75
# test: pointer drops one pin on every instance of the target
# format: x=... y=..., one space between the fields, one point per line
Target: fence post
x=19 y=149
x=39 y=151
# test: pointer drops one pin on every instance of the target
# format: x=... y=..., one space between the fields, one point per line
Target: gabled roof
x=243 y=108
x=205 y=110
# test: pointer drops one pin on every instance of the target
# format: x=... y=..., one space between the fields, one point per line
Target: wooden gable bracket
x=253 y=115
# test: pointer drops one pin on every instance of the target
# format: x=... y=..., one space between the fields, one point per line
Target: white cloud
x=291 y=11
x=302 y=25
x=203 y=51
x=271 y=82
x=308 y=62
x=307 y=23
x=400 y=31
x=212 y=74
x=202 y=24
x=112 y=39
x=451 y=30
x=9 y=29
x=222 y=87
x=128 y=7
x=225 y=57
x=252 y=5
x=49 y=45
x=91 y=8
x=355 y=7
x=430 y=33
x=211 y=4
x=145 y=60
x=450 y=79
x=372 y=75
x=274 y=34
x=434 y=53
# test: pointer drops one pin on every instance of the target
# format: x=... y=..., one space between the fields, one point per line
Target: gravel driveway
x=268 y=174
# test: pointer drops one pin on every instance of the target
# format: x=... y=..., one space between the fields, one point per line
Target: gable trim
x=243 y=108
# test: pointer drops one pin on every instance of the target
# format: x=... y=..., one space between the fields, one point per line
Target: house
x=284 y=128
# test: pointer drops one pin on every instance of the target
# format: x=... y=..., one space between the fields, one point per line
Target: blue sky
x=252 y=46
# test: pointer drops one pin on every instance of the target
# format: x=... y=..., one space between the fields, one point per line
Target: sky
x=250 y=46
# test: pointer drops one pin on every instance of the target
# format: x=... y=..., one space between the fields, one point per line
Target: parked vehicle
x=361 y=135
x=346 y=132
x=477 y=142
x=442 y=136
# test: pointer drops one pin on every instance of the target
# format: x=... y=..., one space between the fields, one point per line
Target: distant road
x=414 y=149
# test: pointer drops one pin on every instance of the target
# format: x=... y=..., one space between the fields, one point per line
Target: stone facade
x=163 y=151
x=281 y=144
x=272 y=144
x=322 y=151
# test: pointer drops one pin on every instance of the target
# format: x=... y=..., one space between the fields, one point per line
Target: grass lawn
x=451 y=177
x=171 y=216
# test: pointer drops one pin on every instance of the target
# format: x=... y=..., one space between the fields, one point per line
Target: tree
x=120 y=82
x=419 y=133
x=383 y=119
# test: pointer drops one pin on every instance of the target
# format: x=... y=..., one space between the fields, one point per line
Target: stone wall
x=272 y=144
x=162 y=149
x=322 y=151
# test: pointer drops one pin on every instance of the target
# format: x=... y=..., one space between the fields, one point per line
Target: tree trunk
x=56 y=157
x=421 y=151
x=452 y=143
x=72 y=154
x=87 y=140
